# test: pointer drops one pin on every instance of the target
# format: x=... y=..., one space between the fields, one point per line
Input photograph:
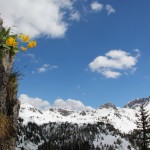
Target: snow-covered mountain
x=120 y=121
x=135 y=104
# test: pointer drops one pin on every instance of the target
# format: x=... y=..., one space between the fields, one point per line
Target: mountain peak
x=108 y=105
x=137 y=103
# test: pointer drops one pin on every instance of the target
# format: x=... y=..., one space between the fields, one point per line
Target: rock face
x=64 y=112
x=107 y=106
x=9 y=105
x=137 y=103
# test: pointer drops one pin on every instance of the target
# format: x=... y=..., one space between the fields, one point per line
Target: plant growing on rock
x=13 y=43
x=10 y=44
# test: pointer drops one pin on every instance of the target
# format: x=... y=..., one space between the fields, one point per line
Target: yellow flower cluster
x=11 y=42
x=25 y=38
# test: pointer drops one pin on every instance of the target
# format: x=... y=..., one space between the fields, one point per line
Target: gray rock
x=9 y=105
x=108 y=105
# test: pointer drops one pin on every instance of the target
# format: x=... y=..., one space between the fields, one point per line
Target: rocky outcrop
x=137 y=103
x=9 y=105
x=108 y=105
x=64 y=112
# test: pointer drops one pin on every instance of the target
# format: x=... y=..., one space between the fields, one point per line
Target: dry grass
x=6 y=128
x=6 y=132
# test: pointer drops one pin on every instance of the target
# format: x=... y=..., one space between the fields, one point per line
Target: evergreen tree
x=143 y=132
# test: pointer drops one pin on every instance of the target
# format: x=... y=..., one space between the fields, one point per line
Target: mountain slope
x=104 y=128
x=135 y=104
x=121 y=118
x=53 y=136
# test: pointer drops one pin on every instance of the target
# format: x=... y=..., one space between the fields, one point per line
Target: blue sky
x=80 y=32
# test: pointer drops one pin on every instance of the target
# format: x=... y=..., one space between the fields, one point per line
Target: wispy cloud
x=95 y=6
x=75 y=16
x=114 y=62
x=32 y=57
x=98 y=7
x=110 y=9
x=138 y=52
x=46 y=67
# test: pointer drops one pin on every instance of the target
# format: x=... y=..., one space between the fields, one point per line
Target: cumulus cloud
x=111 y=74
x=37 y=17
x=71 y=104
x=35 y=102
x=46 y=67
x=110 y=9
x=114 y=62
x=41 y=104
x=44 y=17
x=95 y=6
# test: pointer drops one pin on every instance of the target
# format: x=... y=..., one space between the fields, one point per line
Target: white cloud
x=44 y=17
x=138 y=52
x=114 y=62
x=111 y=74
x=71 y=104
x=35 y=102
x=110 y=9
x=37 y=17
x=95 y=6
x=41 y=104
x=46 y=67
x=75 y=16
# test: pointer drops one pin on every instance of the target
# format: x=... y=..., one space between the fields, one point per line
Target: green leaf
x=1 y=35
x=7 y=32
x=15 y=50
x=6 y=46
x=4 y=33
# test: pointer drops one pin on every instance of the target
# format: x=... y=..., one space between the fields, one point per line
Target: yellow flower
x=11 y=42
x=32 y=44
x=15 y=44
x=25 y=38
x=23 y=48
x=21 y=36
